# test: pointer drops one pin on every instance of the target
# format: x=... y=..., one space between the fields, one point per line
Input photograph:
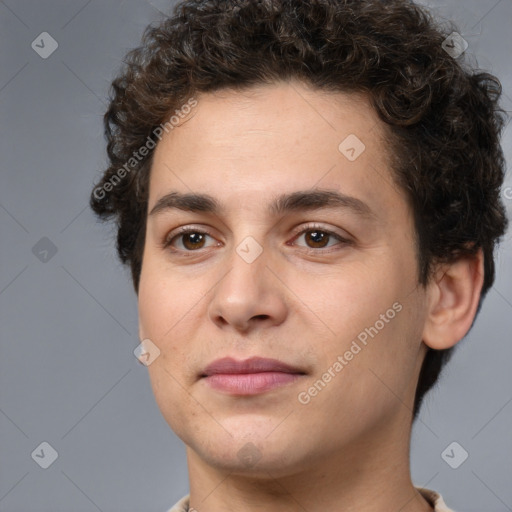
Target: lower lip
x=249 y=383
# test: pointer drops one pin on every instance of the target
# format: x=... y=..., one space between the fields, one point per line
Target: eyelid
x=314 y=225
x=300 y=230
x=189 y=228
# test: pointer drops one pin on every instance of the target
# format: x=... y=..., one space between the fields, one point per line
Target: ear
x=453 y=295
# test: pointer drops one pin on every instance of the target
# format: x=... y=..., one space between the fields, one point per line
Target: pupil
x=193 y=239
x=318 y=238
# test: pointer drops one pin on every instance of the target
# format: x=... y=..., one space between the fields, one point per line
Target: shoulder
x=434 y=498
x=181 y=506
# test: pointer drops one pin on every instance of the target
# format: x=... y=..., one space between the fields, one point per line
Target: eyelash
x=167 y=242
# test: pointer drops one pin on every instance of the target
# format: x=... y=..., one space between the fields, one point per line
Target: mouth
x=250 y=376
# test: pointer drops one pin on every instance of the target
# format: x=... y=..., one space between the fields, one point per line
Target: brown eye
x=193 y=240
x=313 y=237
x=316 y=239
x=189 y=240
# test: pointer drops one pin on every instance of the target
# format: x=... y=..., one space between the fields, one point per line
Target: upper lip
x=228 y=365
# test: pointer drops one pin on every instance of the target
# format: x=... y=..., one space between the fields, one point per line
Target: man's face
x=275 y=271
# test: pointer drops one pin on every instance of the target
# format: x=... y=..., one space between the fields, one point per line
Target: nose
x=249 y=296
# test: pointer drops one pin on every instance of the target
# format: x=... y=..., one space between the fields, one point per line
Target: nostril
x=261 y=317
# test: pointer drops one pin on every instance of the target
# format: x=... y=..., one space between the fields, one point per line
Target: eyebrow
x=301 y=200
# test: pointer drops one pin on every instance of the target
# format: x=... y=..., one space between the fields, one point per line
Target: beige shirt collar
x=432 y=497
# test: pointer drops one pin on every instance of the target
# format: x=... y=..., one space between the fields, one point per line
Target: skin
x=299 y=301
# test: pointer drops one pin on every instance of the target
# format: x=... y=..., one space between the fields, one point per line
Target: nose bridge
x=246 y=279
x=248 y=291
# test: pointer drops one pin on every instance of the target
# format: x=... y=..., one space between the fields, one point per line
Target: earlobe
x=452 y=301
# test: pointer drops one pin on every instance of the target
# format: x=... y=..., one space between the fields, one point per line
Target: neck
x=368 y=476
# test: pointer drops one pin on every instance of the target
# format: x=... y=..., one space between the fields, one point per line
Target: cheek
x=164 y=301
x=172 y=314
x=349 y=297
x=164 y=316
x=369 y=311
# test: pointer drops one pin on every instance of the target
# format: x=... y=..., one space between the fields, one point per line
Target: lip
x=251 y=365
x=250 y=376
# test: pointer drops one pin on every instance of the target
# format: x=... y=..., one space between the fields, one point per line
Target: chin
x=251 y=461
x=249 y=453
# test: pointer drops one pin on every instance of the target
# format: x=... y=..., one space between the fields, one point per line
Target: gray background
x=69 y=324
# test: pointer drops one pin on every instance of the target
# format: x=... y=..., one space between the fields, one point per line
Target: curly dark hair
x=443 y=117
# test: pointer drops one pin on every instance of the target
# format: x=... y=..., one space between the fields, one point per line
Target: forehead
x=246 y=146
